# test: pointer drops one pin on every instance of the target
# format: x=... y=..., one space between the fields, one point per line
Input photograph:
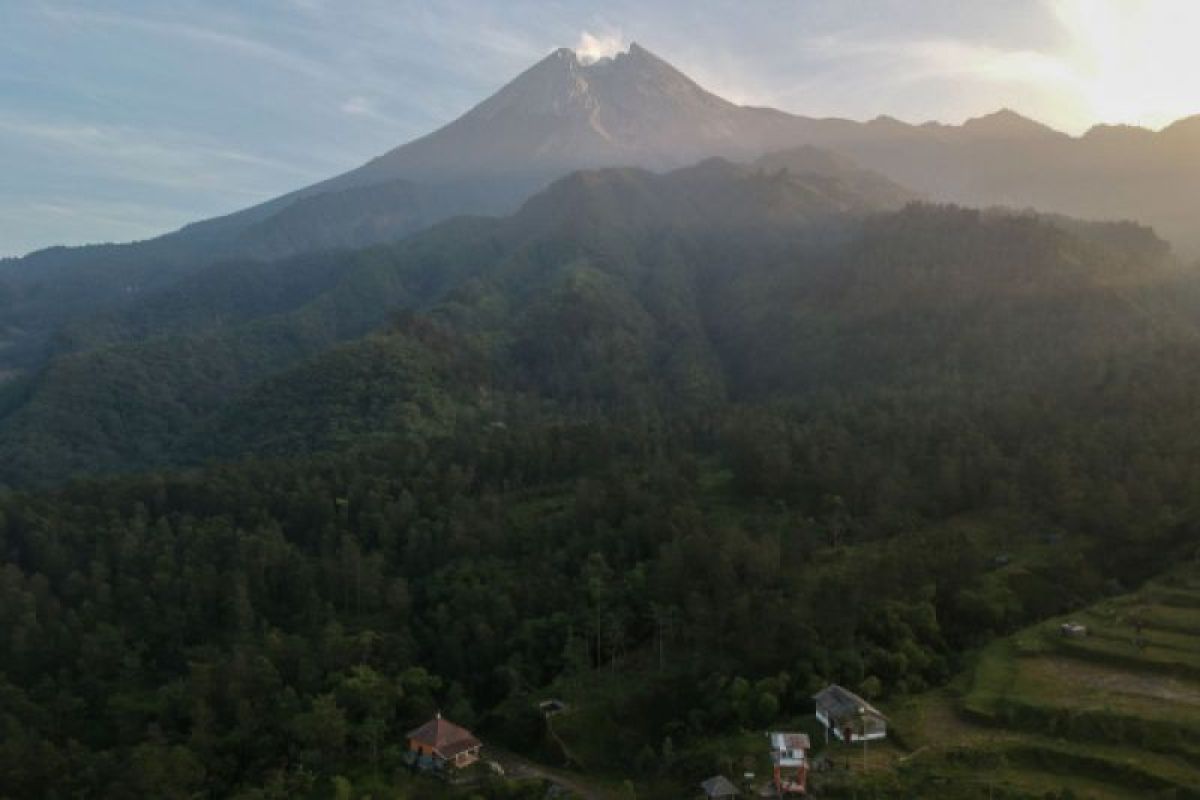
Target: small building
x=847 y=716
x=552 y=706
x=789 y=749
x=789 y=758
x=443 y=743
x=1073 y=630
x=719 y=787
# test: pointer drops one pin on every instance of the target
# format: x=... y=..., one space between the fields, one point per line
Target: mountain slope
x=1005 y=159
x=630 y=110
x=678 y=449
x=128 y=389
x=633 y=109
x=612 y=289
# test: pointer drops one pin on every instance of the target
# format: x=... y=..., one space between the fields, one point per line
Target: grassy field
x=1115 y=713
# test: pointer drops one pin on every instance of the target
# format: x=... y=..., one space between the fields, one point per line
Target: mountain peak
x=590 y=51
x=570 y=75
x=578 y=108
x=1117 y=134
x=1184 y=131
x=1007 y=124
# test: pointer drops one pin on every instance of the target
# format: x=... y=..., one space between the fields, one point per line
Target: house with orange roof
x=443 y=743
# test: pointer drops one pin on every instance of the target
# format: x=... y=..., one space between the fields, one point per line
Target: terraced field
x=1115 y=713
x=1110 y=715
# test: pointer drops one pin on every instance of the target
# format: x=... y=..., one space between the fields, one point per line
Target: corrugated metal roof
x=790 y=741
x=841 y=704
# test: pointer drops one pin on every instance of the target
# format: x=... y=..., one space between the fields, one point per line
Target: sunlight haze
x=125 y=120
x=556 y=400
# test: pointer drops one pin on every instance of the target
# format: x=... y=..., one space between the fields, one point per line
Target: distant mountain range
x=637 y=110
x=631 y=110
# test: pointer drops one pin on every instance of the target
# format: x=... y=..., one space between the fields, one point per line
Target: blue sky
x=128 y=118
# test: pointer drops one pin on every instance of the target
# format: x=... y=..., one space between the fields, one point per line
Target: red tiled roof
x=444 y=737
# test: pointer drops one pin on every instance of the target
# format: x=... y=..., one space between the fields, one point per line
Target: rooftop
x=789 y=749
x=719 y=786
x=790 y=741
x=841 y=703
x=444 y=736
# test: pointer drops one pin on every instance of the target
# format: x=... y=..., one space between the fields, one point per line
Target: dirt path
x=942 y=723
x=571 y=759
x=519 y=767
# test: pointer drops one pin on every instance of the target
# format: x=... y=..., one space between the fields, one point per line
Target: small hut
x=719 y=787
x=1073 y=630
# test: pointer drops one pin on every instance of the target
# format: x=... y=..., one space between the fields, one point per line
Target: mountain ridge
x=610 y=286
x=399 y=158
x=585 y=95
x=635 y=110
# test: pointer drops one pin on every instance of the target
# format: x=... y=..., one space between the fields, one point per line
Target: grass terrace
x=1114 y=713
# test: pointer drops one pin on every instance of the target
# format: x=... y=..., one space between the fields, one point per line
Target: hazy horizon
x=122 y=124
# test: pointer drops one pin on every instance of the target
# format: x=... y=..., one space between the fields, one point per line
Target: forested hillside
x=731 y=432
x=144 y=386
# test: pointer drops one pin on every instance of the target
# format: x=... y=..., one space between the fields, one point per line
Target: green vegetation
x=1107 y=707
x=678 y=459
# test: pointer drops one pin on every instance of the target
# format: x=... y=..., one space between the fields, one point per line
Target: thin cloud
x=137 y=218
x=361 y=106
x=162 y=158
x=923 y=59
x=242 y=45
x=74 y=220
x=358 y=106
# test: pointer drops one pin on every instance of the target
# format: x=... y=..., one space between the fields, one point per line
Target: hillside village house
x=444 y=744
x=847 y=716
x=789 y=760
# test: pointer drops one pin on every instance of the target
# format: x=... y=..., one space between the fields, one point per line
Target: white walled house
x=789 y=759
x=848 y=717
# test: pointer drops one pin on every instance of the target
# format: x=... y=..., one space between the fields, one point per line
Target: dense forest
x=734 y=431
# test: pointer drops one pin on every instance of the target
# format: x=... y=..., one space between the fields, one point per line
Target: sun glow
x=1132 y=61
